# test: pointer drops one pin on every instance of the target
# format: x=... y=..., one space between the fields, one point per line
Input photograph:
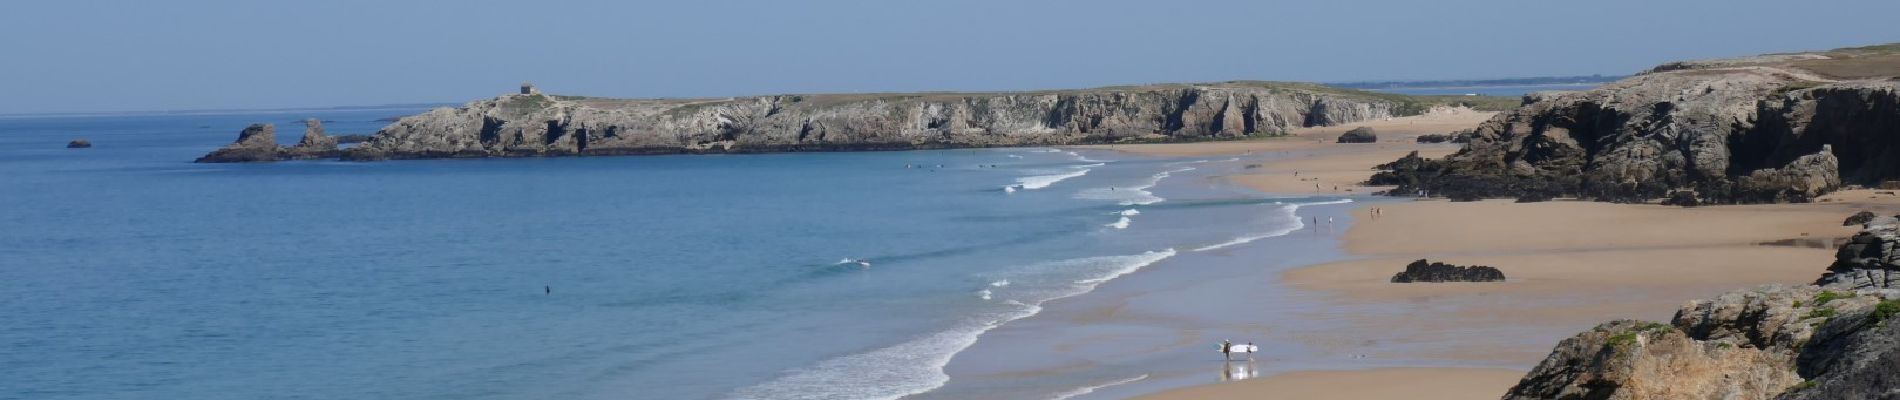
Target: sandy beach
x=1570 y=265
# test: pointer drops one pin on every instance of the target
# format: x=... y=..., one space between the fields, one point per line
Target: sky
x=98 y=56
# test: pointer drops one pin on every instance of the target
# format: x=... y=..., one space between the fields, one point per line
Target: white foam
x=1121 y=224
x=1000 y=283
x=1325 y=203
x=1130 y=212
x=1137 y=195
x=916 y=366
x=1286 y=213
x=1091 y=389
x=984 y=294
x=1043 y=181
x=1015 y=156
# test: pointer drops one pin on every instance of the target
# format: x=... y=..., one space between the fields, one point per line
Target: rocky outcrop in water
x=314 y=143
x=257 y=142
x=1836 y=339
x=79 y=144
x=1422 y=271
x=531 y=125
x=1782 y=128
x=1363 y=134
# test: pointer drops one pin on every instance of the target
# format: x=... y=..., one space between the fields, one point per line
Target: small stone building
x=528 y=88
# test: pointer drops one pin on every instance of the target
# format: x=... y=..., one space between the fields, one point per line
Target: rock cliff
x=1759 y=129
x=547 y=125
x=1836 y=339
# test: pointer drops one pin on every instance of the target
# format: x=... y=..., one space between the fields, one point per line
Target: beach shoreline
x=1572 y=264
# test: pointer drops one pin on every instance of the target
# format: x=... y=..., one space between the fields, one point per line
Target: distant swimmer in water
x=547 y=290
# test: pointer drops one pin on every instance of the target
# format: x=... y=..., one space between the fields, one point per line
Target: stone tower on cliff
x=528 y=88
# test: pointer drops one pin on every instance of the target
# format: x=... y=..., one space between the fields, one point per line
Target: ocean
x=132 y=273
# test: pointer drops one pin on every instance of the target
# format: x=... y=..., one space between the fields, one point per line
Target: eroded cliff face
x=545 y=125
x=1836 y=339
x=1772 y=128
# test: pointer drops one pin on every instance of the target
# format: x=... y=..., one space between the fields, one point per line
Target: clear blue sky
x=81 y=55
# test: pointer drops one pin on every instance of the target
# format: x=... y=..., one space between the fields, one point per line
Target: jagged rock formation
x=79 y=144
x=518 y=125
x=1762 y=129
x=351 y=139
x=1422 y=271
x=1836 y=339
x=257 y=142
x=314 y=144
x=1363 y=134
x=1871 y=259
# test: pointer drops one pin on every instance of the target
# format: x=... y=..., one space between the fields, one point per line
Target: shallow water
x=136 y=274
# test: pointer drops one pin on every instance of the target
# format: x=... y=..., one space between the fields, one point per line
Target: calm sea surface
x=130 y=272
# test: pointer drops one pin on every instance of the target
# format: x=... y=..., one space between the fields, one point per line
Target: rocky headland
x=532 y=124
x=1835 y=339
x=1773 y=128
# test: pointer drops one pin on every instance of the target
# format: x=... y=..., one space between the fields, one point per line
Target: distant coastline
x=1481 y=83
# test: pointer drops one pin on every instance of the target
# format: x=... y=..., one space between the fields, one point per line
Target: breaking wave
x=916 y=366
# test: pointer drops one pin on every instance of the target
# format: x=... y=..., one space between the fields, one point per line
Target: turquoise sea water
x=131 y=273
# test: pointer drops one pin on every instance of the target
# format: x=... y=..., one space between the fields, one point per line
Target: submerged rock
x=1363 y=134
x=79 y=144
x=257 y=143
x=1422 y=271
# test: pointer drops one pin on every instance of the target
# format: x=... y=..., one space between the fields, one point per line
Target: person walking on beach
x=1226 y=349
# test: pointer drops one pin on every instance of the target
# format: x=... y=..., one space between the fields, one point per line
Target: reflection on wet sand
x=1234 y=371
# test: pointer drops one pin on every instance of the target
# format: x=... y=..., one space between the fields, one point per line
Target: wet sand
x=1383 y=383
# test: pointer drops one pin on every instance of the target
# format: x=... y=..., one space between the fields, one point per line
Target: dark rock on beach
x=79 y=144
x=1434 y=138
x=1363 y=134
x=1682 y=197
x=1859 y=218
x=1779 y=128
x=1422 y=271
